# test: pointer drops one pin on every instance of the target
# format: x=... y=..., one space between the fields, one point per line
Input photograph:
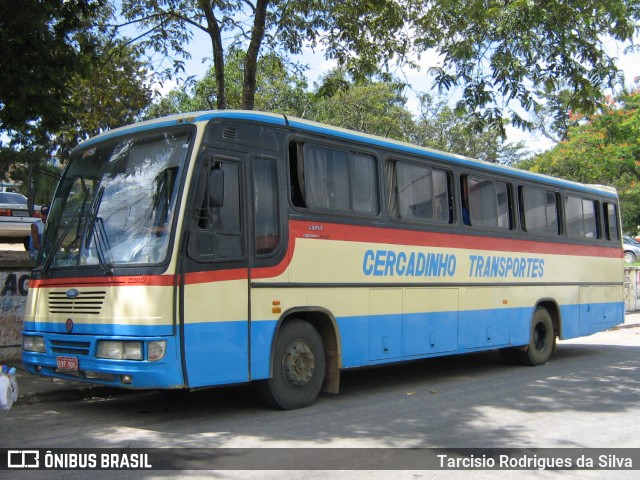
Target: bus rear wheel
x=298 y=367
x=542 y=339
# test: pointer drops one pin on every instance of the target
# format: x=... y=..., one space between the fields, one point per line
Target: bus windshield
x=115 y=203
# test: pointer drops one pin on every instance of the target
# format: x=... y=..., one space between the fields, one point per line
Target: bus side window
x=611 y=221
x=265 y=197
x=296 y=175
x=582 y=217
x=488 y=201
x=327 y=178
x=218 y=232
x=539 y=211
x=464 y=188
x=420 y=192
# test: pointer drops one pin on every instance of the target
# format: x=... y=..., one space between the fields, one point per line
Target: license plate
x=67 y=363
x=20 y=213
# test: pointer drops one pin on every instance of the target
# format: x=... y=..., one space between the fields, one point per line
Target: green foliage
x=110 y=94
x=374 y=107
x=523 y=51
x=39 y=60
x=277 y=89
x=81 y=82
x=167 y=28
x=443 y=128
x=504 y=57
x=602 y=148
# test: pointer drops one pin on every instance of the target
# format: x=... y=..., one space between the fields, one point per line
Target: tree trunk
x=251 y=59
x=218 y=52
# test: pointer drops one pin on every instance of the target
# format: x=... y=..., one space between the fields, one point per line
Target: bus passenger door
x=214 y=295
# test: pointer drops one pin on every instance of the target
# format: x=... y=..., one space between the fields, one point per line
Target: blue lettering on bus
x=388 y=263
x=496 y=266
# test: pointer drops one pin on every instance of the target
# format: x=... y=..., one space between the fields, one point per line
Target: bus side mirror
x=216 y=187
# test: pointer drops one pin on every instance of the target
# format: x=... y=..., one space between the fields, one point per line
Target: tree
x=277 y=89
x=114 y=91
x=101 y=84
x=602 y=148
x=506 y=57
x=39 y=59
x=498 y=52
x=367 y=105
x=279 y=25
x=441 y=127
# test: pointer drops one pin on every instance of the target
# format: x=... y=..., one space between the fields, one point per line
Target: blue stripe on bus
x=100 y=329
x=165 y=373
x=376 y=339
x=218 y=353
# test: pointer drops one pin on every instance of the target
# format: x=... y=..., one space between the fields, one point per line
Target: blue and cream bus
x=222 y=247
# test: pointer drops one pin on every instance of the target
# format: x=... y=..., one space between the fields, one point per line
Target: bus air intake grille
x=67 y=347
x=89 y=303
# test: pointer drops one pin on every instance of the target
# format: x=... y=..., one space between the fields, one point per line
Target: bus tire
x=542 y=340
x=298 y=367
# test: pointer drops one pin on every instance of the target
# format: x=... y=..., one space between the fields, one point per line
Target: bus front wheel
x=542 y=339
x=298 y=367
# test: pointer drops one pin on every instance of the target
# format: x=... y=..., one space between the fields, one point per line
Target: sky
x=419 y=81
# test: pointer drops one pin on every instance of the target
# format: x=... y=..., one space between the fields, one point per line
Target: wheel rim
x=298 y=363
x=540 y=336
x=629 y=258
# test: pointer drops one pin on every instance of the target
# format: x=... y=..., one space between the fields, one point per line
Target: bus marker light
x=156 y=350
x=276 y=308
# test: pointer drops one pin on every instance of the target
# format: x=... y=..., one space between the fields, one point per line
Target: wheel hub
x=540 y=336
x=299 y=363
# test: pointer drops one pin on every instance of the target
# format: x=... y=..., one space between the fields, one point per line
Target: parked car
x=631 y=249
x=15 y=220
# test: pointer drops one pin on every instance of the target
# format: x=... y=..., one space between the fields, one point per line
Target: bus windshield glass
x=115 y=203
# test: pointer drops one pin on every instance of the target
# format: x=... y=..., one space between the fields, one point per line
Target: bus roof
x=341 y=133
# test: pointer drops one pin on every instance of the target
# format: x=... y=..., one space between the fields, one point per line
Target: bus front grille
x=89 y=303
x=69 y=347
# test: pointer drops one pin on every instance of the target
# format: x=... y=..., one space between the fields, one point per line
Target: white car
x=631 y=249
x=15 y=220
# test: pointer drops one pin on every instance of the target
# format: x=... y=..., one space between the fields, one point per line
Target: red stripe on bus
x=334 y=231
x=117 y=281
x=392 y=236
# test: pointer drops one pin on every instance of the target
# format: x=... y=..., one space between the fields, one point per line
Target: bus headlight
x=33 y=344
x=119 y=350
x=156 y=350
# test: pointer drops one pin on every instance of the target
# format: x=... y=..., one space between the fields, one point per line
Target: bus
x=223 y=247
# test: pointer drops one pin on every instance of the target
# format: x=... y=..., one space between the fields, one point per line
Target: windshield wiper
x=102 y=246
x=98 y=233
x=56 y=246
x=93 y=214
x=95 y=229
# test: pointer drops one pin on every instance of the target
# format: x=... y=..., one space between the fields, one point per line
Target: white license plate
x=20 y=213
x=67 y=363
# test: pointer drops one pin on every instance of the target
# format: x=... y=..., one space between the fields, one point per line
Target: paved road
x=587 y=396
